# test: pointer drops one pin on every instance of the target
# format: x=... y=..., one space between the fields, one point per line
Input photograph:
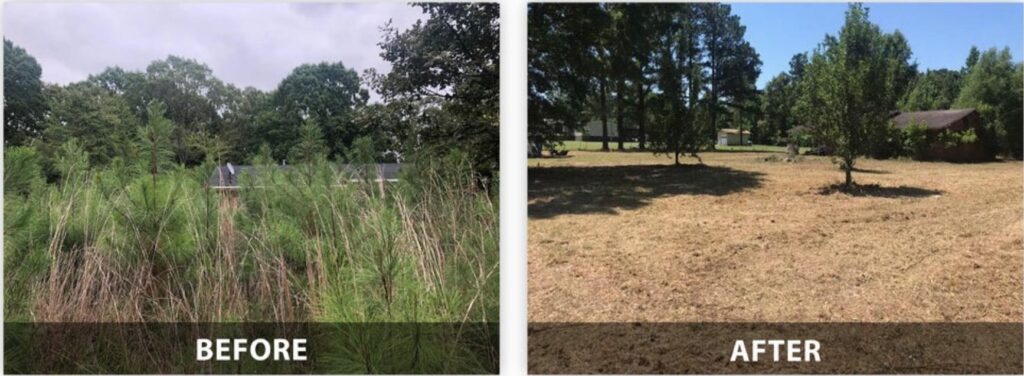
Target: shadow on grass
x=554 y=191
x=875 y=190
x=869 y=171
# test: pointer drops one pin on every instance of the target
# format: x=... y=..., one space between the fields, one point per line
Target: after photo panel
x=775 y=188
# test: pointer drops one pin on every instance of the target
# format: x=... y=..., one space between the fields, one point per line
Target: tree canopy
x=24 y=104
x=441 y=94
x=666 y=73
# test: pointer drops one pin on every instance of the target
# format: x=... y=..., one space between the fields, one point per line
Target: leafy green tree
x=102 y=122
x=933 y=90
x=993 y=87
x=327 y=93
x=449 y=62
x=779 y=97
x=24 y=104
x=844 y=93
x=193 y=98
x=561 y=68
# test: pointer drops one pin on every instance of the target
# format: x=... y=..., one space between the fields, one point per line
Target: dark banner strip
x=265 y=348
x=748 y=348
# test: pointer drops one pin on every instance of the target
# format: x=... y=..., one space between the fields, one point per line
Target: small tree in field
x=846 y=94
x=155 y=139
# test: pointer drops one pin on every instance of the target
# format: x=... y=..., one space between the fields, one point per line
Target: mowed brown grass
x=628 y=237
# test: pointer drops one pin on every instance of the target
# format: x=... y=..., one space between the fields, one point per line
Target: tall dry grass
x=301 y=245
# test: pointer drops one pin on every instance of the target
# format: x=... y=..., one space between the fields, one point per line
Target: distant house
x=226 y=177
x=593 y=131
x=730 y=136
x=953 y=121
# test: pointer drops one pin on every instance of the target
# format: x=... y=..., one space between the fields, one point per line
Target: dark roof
x=932 y=119
x=223 y=177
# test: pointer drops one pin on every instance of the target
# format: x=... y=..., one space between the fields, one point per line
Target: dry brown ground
x=627 y=237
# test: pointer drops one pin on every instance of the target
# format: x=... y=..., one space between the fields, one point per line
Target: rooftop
x=226 y=176
x=939 y=119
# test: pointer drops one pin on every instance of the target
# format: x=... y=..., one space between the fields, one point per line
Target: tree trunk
x=619 y=120
x=848 y=166
x=641 y=133
x=604 y=117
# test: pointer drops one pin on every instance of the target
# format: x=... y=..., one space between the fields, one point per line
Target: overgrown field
x=747 y=237
x=304 y=245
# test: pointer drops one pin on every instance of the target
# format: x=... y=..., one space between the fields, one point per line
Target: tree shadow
x=869 y=171
x=875 y=190
x=554 y=191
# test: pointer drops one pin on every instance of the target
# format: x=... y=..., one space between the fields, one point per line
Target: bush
x=915 y=141
x=23 y=172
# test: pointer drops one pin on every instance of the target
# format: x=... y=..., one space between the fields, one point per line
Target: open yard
x=628 y=237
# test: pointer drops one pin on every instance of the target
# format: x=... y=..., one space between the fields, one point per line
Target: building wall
x=974 y=152
x=732 y=138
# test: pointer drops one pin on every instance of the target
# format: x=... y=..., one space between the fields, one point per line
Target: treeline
x=441 y=95
x=672 y=72
x=671 y=75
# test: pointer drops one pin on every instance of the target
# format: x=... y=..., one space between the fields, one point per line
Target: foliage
x=24 y=104
x=915 y=140
x=155 y=140
x=101 y=121
x=327 y=94
x=846 y=92
x=447 y=69
x=561 y=38
x=933 y=90
x=993 y=86
x=310 y=147
x=422 y=250
x=666 y=72
x=952 y=139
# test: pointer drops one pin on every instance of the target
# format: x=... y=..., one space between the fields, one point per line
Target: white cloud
x=246 y=44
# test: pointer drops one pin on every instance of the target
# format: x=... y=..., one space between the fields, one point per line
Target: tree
x=561 y=38
x=156 y=139
x=192 y=96
x=681 y=79
x=993 y=87
x=933 y=90
x=329 y=94
x=733 y=65
x=845 y=92
x=102 y=122
x=972 y=58
x=777 y=103
x=310 y=147
x=449 y=62
x=24 y=104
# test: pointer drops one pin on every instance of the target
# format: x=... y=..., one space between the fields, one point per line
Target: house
x=226 y=177
x=593 y=131
x=731 y=136
x=940 y=121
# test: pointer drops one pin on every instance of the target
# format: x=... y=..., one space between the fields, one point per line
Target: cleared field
x=628 y=237
x=631 y=146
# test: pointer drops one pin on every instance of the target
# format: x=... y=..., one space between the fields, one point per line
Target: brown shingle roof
x=932 y=119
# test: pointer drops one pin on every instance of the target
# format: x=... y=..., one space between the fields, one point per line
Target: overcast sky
x=246 y=44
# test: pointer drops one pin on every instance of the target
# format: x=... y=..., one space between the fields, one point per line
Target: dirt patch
x=627 y=237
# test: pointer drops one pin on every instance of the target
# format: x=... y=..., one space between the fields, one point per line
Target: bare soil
x=622 y=237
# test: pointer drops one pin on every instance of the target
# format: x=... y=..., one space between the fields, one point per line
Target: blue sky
x=940 y=34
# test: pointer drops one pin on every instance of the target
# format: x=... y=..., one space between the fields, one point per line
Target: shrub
x=915 y=140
